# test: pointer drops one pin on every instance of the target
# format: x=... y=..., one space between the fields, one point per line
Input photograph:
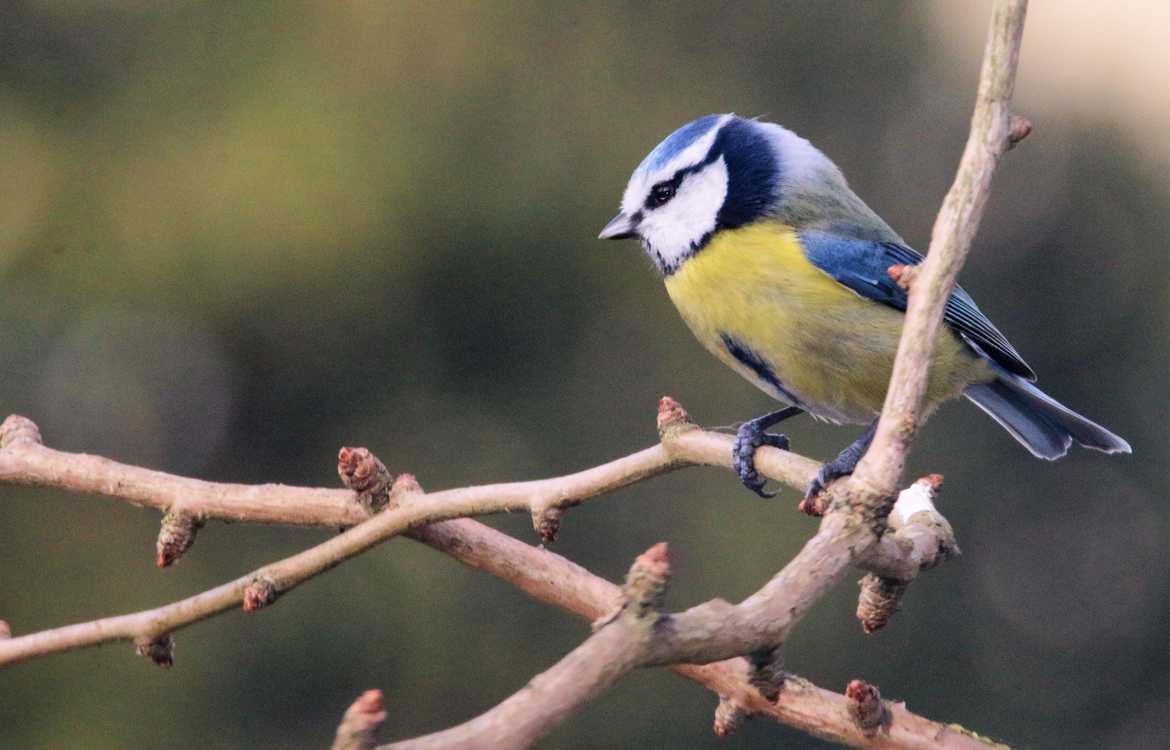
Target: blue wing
x=863 y=266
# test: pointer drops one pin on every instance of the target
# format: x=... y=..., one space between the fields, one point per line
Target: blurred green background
x=237 y=236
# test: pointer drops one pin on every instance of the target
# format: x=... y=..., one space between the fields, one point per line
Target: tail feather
x=1039 y=422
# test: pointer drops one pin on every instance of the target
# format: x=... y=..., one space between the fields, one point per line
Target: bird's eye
x=660 y=194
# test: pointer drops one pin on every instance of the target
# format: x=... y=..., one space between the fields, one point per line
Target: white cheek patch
x=673 y=231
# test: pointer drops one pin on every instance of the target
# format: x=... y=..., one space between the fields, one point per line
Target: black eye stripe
x=674 y=182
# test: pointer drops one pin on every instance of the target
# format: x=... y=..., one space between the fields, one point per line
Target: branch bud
x=404 y=484
x=866 y=706
x=160 y=650
x=260 y=593
x=1019 y=128
x=672 y=418
x=729 y=717
x=547 y=522
x=175 y=537
x=18 y=429
x=362 y=472
x=880 y=598
x=361 y=719
x=903 y=275
x=647 y=581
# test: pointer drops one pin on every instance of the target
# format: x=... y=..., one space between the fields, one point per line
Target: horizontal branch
x=543 y=575
x=24 y=460
x=151 y=628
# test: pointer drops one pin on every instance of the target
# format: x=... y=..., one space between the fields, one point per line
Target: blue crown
x=677 y=142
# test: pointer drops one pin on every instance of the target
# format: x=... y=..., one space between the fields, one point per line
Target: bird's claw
x=748 y=438
x=815 y=487
x=843 y=465
x=812 y=503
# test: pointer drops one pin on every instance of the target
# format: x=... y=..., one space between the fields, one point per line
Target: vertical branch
x=992 y=134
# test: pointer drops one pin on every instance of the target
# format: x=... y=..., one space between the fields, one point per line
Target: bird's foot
x=748 y=438
x=814 y=502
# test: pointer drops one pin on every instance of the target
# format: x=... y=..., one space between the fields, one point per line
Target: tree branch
x=856 y=516
x=544 y=575
x=798 y=703
x=615 y=649
x=854 y=523
x=552 y=579
x=24 y=460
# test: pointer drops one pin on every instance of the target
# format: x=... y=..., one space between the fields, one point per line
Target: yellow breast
x=824 y=345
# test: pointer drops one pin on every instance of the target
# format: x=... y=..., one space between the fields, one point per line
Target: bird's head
x=714 y=173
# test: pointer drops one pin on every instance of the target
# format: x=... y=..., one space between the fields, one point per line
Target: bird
x=783 y=273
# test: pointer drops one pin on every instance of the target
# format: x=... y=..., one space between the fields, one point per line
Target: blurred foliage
x=237 y=236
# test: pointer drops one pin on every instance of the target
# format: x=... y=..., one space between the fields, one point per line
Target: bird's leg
x=845 y=462
x=750 y=436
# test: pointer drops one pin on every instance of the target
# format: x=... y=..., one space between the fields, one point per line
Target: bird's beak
x=619 y=227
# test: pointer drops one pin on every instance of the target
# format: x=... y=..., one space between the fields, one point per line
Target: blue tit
x=781 y=272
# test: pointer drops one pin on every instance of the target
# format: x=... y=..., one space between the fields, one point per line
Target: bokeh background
x=234 y=237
